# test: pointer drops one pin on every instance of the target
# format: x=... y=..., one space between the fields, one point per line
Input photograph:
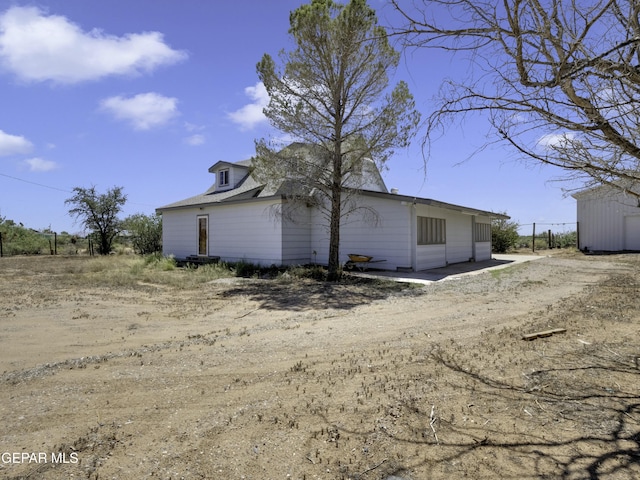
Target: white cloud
x=40 y=165
x=251 y=114
x=195 y=140
x=192 y=127
x=13 y=144
x=144 y=111
x=39 y=47
x=556 y=140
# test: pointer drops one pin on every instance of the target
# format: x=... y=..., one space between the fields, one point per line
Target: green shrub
x=245 y=269
x=145 y=232
x=18 y=240
x=159 y=261
x=504 y=235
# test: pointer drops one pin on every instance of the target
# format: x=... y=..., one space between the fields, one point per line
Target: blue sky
x=148 y=94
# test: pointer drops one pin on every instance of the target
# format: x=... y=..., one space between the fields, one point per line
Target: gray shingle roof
x=247 y=188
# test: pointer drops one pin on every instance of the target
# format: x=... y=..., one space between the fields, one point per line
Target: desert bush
x=159 y=261
x=145 y=232
x=245 y=269
x=504 y=235
x=18 y=240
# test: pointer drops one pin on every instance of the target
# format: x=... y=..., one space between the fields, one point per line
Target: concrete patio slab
x=450 y=272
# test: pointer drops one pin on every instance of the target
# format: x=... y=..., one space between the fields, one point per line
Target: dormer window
x=223 y=178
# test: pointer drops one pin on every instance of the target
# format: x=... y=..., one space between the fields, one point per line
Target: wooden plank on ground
x=544 y=333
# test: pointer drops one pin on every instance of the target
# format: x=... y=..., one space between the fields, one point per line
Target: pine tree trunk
x=334 y=222
x=334 y=238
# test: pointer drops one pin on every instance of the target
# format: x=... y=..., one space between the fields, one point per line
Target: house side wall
x=458 y=239
x=179 y=233
x=601 y=220
x=250 y=232
x=430 y=256
x=296 y=237
x=387 y=239
x=482 y=249
x=394 y=239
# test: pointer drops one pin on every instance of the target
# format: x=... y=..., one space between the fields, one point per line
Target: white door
x=632 y=232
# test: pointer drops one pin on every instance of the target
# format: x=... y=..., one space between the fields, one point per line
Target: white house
x=237 y=219
x=608 y=220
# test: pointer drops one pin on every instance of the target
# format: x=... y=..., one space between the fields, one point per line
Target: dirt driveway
x=109 y=374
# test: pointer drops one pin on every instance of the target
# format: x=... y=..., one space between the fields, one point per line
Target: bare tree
x=559 y=80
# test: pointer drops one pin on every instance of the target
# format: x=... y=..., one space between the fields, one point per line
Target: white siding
x=632 y=232
x=459 y=237
x=483 y=249
x=431 y=256
x=601 y=218
x=296 y=238
x=389 y=239
x=250 y=232
x=180 y=233
x=256 y=233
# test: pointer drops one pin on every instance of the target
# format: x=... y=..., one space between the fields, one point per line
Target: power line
x=541 y=223
x=62 y=190
x=34 y=183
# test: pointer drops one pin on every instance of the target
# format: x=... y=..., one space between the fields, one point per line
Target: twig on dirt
x=527 y=412
x=308 y=457
x=432 y=420
x=630 y=417
x=247 y=314
x=541 y=407
x=374 y=467
x=615 y=353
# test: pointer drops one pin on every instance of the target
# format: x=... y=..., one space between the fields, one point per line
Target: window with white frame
x=482 y=232
x=432 y=231
x=223 y=177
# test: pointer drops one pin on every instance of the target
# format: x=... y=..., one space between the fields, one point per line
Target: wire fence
x=23 y=241
x=550 y=235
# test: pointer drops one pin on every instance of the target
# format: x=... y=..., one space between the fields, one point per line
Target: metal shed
x=608 y=220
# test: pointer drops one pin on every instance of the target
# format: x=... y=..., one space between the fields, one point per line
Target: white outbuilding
x=608 y=220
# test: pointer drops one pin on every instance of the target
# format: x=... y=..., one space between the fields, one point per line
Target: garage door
x=632 y=232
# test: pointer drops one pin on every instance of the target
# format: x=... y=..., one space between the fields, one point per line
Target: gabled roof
x=222 y=163
x=249 y=190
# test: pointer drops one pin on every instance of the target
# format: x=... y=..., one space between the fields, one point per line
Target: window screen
x=431 y=231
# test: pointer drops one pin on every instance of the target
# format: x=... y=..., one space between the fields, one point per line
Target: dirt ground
x=102 y=377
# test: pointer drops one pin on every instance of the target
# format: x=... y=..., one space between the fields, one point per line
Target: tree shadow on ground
x=305 y=294
x=563 y=423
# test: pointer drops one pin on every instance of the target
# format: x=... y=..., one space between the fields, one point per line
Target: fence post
x=1 y=255
x=578 y=235
x=533 y=238
x=55 y=243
